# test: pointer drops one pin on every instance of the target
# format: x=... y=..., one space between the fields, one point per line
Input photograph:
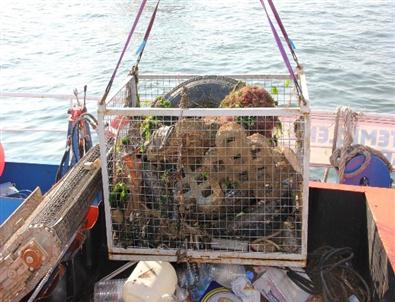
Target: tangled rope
x=332 y=274
x=342 y=155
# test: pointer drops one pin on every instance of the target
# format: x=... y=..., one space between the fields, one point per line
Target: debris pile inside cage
x=225 y=179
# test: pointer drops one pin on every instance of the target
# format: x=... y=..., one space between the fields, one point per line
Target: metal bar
x=31 y=129
x=43 y=96
x=306 y=177
x=275 y=111
x=237 y=76
x=304 y=106
x=212 y=254
x=306 y=159
x=369 y=117
x=105 y=177
x=117 y=271
x=299 y=261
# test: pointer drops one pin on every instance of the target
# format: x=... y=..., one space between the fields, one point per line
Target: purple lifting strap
x=136 y=20
x=147 y=33
x=282 y=27
x=282 y=51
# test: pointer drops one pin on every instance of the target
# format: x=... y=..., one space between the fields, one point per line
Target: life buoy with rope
x=2 y=159
x=358 y=164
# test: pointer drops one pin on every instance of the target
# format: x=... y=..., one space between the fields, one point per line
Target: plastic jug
x=151 y=281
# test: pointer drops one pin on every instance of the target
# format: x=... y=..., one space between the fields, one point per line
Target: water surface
x=347 y=48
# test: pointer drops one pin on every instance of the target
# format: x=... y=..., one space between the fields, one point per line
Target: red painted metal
x=91 y=217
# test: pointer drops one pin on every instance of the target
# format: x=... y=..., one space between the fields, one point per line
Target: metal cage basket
x=188 y=176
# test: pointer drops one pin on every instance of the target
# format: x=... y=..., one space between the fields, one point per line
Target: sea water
x=49 y=46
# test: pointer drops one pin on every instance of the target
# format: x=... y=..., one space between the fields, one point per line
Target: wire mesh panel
x=205 y=184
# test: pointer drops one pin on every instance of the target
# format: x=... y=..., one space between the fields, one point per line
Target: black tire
x=202 y=91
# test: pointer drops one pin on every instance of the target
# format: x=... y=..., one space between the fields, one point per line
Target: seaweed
x=119 y=195
x=253 y=96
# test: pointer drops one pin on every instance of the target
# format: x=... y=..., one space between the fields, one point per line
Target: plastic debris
x=182 y=294
x=224 y=274
x=243 y=288
x=217 y=293
x=275 y=286
x=7 y=189
x=194 y=279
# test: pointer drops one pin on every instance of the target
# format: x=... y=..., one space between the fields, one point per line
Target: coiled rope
x=342 y=155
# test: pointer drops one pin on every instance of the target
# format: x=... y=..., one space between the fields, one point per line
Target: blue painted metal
x=7 y=206
x=376 y=173
x=28 y=176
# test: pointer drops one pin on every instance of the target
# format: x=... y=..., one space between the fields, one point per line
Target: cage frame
x=200 y=256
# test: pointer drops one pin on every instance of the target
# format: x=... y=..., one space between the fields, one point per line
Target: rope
x=136 y=20
x=331 y=273
x=341 y=156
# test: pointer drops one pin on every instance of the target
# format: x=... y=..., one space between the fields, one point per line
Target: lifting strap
x=141 y=48
x=136 y=20
x=285 y=34
x=282 y=50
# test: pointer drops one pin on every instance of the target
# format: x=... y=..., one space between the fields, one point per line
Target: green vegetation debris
x=161 y=102
x=119 y=195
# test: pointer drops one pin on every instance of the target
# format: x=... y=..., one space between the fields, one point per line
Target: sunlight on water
x=46 y=46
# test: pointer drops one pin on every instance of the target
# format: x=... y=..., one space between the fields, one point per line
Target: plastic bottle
x=203 y=282
x=151 y=281
x=182 y=294
x=224 y=274
x=195 y=279
x=109 y=291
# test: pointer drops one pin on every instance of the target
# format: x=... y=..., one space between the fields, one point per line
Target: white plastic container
x=275 y=286
x=151 y=281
